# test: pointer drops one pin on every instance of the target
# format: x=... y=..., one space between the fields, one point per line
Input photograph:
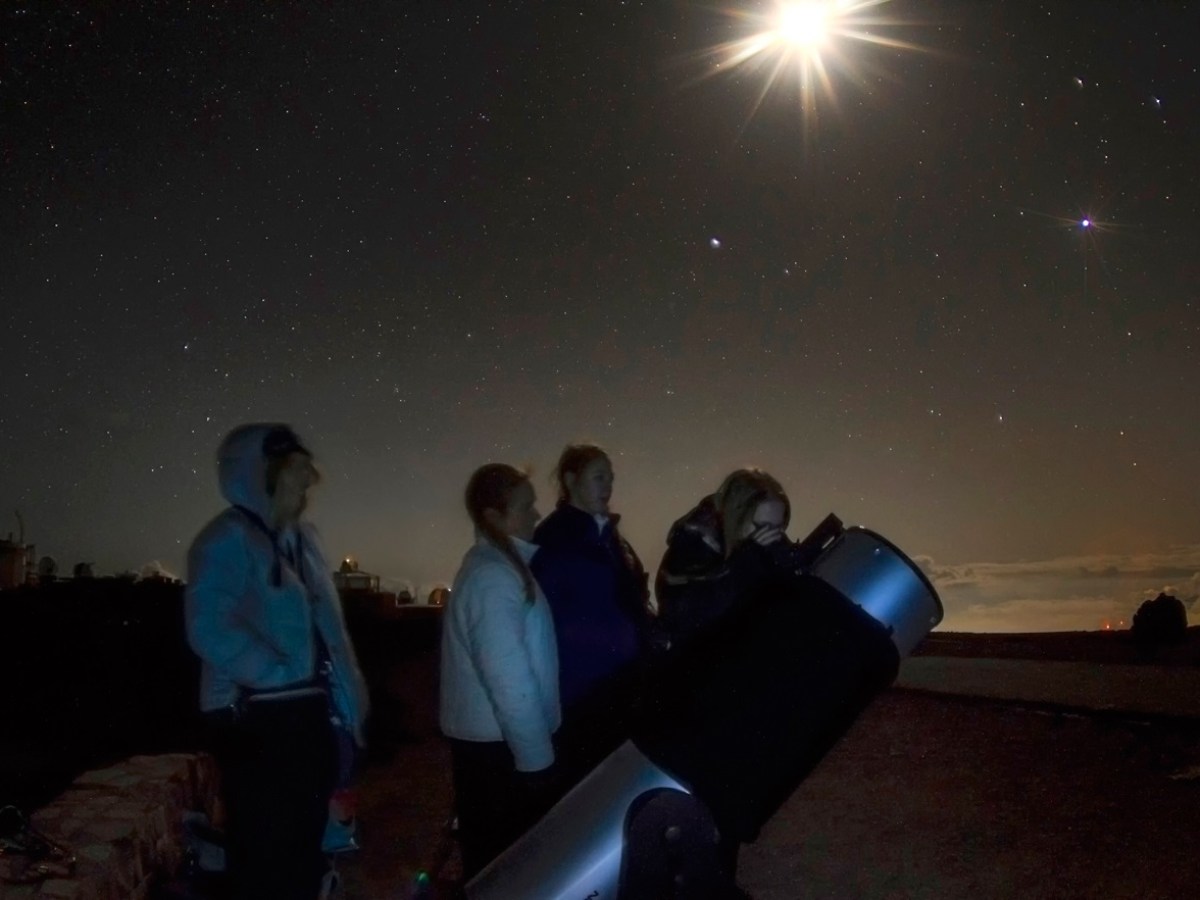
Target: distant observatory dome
x=47 y=568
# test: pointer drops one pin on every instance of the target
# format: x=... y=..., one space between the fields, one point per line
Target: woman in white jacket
x=264 y=617
x=499 y=701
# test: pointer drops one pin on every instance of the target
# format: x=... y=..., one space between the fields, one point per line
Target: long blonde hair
x=491 y=487
x=740 y=495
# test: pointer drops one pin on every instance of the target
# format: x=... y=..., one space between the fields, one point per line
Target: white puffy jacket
x=499 y=662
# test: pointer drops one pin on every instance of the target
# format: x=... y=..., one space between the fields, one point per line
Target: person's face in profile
x=522 y=516
x=591 y=489
x=766 y=522
x=295 y=477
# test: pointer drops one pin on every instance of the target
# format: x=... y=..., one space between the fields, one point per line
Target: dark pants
x=494 y=802
x=596 y=725
x=277 y=762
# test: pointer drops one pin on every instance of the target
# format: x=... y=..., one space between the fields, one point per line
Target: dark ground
x=926 y=796
x=938 y=797
x=1107 y=647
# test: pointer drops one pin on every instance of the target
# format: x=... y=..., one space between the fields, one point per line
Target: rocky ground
x=927 y=796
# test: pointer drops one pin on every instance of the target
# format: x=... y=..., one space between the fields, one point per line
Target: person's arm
x=633 y=587
x=496 y=627
x=634 y=583
x=218 y=578
x=552 y=573
x=696 y=587
x=348 y=687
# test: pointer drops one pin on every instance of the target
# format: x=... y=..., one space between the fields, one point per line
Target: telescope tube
x=739 y=719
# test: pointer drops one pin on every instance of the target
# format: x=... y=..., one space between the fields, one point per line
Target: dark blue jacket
x=597 y=589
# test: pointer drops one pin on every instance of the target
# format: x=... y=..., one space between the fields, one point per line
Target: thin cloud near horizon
x=1069 y=593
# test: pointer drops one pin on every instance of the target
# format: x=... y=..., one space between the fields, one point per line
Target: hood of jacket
x=702 y=520
x=242 y=468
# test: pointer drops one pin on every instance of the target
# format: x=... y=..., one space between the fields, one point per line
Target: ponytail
x=491 y=487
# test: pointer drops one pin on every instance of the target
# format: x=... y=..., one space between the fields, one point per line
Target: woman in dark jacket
x=723 y=551
x=721 y=555
x=597 y=590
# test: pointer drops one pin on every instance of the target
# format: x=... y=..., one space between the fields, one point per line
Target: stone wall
x=95 y=671
x=124 y=825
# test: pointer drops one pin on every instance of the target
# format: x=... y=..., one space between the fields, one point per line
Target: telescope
x=730 y=730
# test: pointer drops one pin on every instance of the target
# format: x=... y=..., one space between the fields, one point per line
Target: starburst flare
x=809 y=41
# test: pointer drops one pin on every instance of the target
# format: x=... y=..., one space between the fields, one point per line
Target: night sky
x=432 y=235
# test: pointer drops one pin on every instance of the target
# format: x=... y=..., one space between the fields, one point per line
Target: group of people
x=549 y=639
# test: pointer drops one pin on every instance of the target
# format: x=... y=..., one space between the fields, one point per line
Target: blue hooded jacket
x=252 y=617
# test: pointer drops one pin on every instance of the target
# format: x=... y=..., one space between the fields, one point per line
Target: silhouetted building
x=47 y=570
x=17 y=562
x=1160 y=621
x=348 y=577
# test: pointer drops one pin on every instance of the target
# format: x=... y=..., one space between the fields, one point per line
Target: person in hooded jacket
x=264 y=617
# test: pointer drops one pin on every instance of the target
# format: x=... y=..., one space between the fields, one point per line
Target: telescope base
x=671 y=850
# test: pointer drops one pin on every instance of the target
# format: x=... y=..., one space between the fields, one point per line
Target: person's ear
x=494 y=517
x=570 y=479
